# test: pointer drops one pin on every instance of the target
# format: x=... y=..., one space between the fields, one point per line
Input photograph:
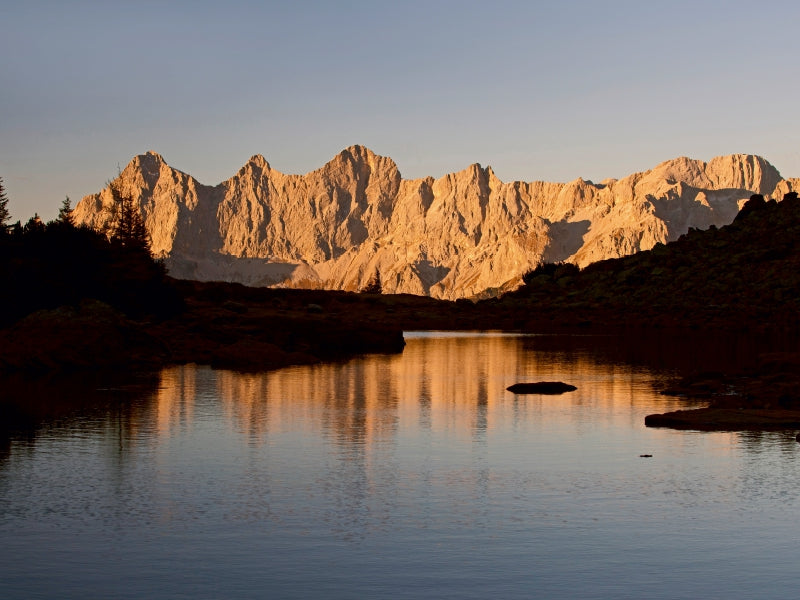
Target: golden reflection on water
x=421 y=460
x=175 y=398
x=441 y=384
x=383 y=431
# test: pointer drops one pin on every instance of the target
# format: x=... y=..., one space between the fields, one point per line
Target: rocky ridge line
x=466 y=234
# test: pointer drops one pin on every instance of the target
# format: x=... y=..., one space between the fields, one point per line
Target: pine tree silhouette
x=65 y=213
x=4 y=214
x=374 y=285
x=128 y=228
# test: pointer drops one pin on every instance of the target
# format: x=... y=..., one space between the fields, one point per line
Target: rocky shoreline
x=256 y=329
x=726 y=419
x=221 y=325
x=764 y=397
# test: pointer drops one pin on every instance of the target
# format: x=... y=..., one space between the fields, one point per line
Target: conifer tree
x=128 y=228
x=65 y=213
x=4 y=214
x=34 y=226
x=374 y=286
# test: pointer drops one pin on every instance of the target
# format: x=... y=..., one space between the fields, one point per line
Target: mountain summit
x=466 y=234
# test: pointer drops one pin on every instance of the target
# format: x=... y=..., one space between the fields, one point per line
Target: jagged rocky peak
x=360 y=159
x=359 y=173
x=683 y=169
x=145 y=167
x=148 y=170
x=259 y=161
x=150 y=160
x=256 y=165
x=734 y=171
x=362 y=155
x=357 y=153
x=465 y=234
x=152 y=154
x=473 y=174
x=479 y=172
x=744 y=171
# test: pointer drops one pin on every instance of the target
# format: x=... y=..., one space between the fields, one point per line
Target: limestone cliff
x=466 y=234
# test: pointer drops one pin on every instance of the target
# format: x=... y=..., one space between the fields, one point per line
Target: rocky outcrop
x=549 y=388
x=466 y=234
x=763 y=397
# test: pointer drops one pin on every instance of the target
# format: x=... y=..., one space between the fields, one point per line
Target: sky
x=546 y=91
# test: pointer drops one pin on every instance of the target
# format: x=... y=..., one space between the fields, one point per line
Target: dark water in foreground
x=413 y=476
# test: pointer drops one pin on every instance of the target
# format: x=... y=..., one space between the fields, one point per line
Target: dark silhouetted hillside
x=744 y=275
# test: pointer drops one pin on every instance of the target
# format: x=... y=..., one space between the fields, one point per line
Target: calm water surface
x=409 y=476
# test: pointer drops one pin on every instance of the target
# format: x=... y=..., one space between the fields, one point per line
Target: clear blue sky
x=538 y=90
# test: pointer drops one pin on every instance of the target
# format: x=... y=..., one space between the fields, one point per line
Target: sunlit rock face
x=466 y=234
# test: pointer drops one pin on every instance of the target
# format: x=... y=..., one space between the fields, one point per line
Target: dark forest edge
x=80 y=299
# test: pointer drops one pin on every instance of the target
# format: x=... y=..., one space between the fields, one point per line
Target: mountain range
x=356 y=221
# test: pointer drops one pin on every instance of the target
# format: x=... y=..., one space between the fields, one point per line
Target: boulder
x=542 y=387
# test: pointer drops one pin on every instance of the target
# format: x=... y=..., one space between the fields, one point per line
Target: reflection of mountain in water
x=439 y=384
x=442 y=402
x=94 y=403
x=241 y=482
x=373 y=434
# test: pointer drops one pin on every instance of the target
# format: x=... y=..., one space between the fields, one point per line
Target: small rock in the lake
x=541 y=387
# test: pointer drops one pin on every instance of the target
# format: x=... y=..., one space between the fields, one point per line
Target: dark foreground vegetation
x=82 y=300
x=744 y=276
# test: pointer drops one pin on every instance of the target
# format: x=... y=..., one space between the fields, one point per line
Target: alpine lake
x=416 y=475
